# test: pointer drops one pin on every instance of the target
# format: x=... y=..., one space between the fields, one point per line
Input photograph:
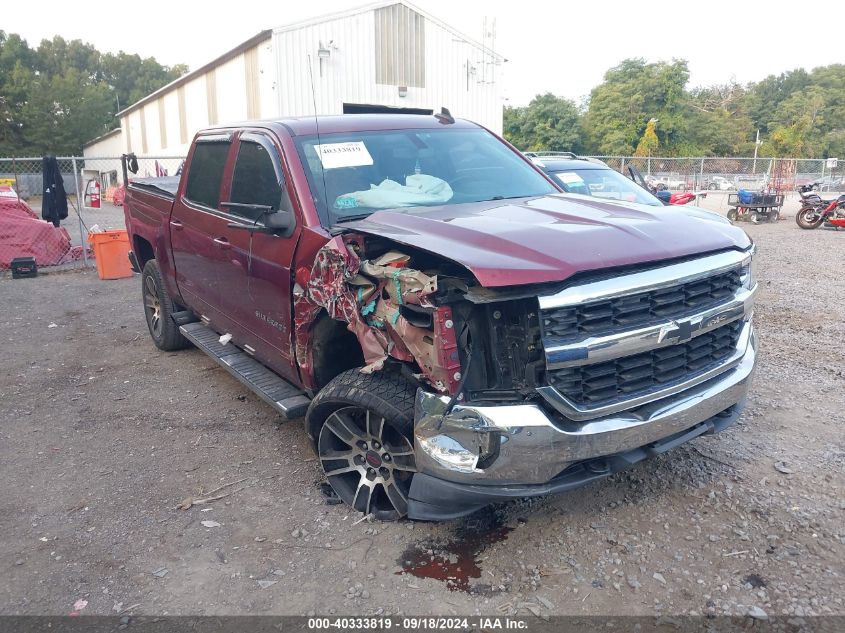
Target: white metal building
x=385 y=54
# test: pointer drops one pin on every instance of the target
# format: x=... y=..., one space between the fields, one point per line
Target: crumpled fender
x=368 y=295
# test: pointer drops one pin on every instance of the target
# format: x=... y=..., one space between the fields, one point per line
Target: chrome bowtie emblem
x=682 y=331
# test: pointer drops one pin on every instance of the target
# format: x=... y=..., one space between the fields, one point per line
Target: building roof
x=266 y=34
x=219 y=61
x=102 y=137
x=380 y=5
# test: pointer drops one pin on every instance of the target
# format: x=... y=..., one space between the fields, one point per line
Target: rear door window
x=255 y=179
x=206 y=172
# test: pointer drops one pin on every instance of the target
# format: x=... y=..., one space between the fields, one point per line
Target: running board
x=290 y=402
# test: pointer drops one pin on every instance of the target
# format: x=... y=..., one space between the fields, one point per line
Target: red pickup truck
x=454 y=329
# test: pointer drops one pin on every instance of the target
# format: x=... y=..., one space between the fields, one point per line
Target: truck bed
x=164 y=186
x=147 y=208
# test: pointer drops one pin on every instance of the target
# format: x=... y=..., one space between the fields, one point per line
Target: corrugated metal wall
x=370 y=54
x=451 y=71
x=399 y=46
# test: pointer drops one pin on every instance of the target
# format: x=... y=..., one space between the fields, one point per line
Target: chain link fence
x=730 y=174
x=24 y=234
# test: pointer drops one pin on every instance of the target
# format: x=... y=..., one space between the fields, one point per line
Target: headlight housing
x=747 y=275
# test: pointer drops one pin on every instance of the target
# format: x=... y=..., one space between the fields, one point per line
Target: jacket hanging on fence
x=54 y=202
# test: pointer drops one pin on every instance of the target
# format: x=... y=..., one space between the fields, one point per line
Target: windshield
x=353 y=174
x=604 y=183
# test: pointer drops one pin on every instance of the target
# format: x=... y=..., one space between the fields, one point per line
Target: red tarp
x=119 y=195
x=23 y=234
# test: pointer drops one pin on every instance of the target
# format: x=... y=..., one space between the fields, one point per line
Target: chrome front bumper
x=528 y=444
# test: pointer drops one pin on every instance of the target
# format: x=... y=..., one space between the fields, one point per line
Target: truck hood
x=550 y=238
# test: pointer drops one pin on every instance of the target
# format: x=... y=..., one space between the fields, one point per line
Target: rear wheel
x=774 y=215
x=712 y=186
x=755 y=217
x=158 y=308
x=363 y=426
x=808 y=218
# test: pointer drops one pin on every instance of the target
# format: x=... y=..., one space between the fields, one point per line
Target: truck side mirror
x=283 y=218
x=280 y=220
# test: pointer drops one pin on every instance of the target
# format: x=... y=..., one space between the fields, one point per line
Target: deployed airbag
x=419 y=189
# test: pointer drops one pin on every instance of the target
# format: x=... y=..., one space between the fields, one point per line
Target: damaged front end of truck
x=528 y=390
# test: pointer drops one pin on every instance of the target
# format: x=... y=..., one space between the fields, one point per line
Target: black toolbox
x=23 y=267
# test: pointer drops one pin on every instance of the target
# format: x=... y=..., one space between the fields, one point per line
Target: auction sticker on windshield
x=570 y=178
x=351 y=154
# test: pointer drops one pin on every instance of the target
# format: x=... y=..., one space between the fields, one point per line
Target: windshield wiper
x=351 y=218
x=508 y=197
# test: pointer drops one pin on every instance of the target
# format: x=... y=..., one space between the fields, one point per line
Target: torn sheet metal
x=329 y=286
x=368 y=295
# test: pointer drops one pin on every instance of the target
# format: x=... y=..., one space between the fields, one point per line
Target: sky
x=562 y=47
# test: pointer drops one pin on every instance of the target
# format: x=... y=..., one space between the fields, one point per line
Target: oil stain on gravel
x=456 y=562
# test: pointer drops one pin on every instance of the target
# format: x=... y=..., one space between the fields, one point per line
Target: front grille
x=630 y=376
x=638 y=309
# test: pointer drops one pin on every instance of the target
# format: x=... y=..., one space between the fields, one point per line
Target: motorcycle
x=814 y=211
x=809 y=197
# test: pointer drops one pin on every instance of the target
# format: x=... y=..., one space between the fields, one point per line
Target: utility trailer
x=754 y=207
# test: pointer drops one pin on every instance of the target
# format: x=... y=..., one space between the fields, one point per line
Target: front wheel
x=363 y=425
x=158 y=308
x=732 y=215
x=808 y=218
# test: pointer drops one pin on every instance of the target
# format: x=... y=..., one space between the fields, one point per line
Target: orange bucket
x=111 y=250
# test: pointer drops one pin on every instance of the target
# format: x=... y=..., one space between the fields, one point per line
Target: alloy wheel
x=367 y=461
x=152 y=306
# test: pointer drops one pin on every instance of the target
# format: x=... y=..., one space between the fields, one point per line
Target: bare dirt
x=102 y=437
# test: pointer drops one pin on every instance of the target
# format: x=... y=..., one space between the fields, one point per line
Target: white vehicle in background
x=720 y=183
x=662 y=183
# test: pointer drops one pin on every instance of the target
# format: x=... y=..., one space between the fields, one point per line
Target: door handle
x=222 y=242
x=176 y=224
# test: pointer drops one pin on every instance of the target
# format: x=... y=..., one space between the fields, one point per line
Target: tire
x=158 y=308
x=804 y=218
x=712 y=187
x=661 y=186
x=754 y=217
x=774 y=215
x=363 y=428
x=732 y=215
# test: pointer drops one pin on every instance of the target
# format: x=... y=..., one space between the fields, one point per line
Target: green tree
x=798 y=126
x=133 y=78
x=717 y=123
x=632 y=93
x=64 y=109
x=548 y=123
x=57 y=96
x=765 y=96
x=648 y=143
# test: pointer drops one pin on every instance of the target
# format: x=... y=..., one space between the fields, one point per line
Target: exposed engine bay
x=416 y=308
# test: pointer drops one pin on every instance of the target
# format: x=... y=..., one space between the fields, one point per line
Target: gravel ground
x=103 y=436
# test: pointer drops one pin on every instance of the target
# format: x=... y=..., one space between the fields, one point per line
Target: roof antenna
x=319 y=142
x=444 y=116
